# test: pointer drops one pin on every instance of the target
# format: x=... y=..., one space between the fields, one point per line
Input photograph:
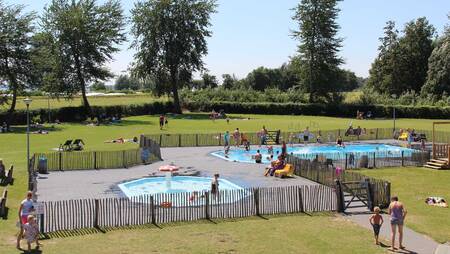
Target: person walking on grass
x=376 y=220
x=398 y=213
x=31 y=232
x=161 y=121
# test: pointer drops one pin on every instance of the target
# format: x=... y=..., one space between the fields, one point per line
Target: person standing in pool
x=215 y=184
x=226 y=139
x=283 y=149
x=257 y=157
x=340 y=142
x=236 y=137
x=306 y=135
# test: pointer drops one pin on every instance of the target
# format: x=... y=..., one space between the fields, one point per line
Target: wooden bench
x=3 y=209
x=9 y=177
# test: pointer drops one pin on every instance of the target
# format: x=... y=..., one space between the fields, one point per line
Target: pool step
x=437 y=164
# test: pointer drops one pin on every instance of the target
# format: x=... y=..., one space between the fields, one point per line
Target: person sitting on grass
x=31 y=232
x=376 y=220
x=257 y=157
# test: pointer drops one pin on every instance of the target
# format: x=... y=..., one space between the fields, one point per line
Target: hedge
x=340 y=110
x=78 y=114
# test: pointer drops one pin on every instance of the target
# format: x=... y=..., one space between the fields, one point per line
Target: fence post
x=387 y=191
x=370 y=193
x=374 y=158
x=207 y=205
x=123 y=159
x=160 y=139
x=196 y=139
x=95 y=160
x=60 y=161
x=152 y=209
x=346 y=161
x=339 y=196
x=403 y=159
x=256 y=198
x=300 y=200
x=220 y=139
x=376 y=133
x=41 y=222
x=97 y=210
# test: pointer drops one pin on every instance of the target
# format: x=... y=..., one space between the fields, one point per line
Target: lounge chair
x=3 y=203
x=67 y=146
x=9 y=177
x=77 y=145
x=288 y=170
x=403 y=136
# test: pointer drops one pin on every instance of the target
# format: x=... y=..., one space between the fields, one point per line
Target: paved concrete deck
x=103 y=183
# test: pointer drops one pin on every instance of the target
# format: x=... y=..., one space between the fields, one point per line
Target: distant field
x=43 y=101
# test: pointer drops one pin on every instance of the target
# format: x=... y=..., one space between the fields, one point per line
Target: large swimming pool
x=310 y=151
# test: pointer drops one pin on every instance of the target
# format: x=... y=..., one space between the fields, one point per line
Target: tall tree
x=209 y=81
x=15 y=58
x=84 y=35
x=416 y=46
x=125 y=82
x=384 y=74
x=229 y=81
x=402 y=62
x=170 y=39
x=438 y=79
x=319 y=46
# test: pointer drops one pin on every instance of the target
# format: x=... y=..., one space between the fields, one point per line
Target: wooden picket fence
x=326 y=175
x=179 y=207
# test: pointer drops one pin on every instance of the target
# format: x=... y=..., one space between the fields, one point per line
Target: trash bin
x=42 y=165
x=363 y=162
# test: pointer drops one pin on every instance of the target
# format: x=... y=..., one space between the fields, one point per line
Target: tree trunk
x=176 y=99
x=80 y=77
x=12 y=108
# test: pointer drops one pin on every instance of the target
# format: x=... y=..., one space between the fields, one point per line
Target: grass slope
x=289 y=234
x=412 y=186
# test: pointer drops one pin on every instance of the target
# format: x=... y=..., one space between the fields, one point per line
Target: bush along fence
x=179 y=207
x=379 y=193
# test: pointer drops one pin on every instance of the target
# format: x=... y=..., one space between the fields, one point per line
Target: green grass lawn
x=412 y=186
x=43 y=101
x=13 y=145
x=287 y=234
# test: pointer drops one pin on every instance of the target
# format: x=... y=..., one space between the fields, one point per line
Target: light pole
x=394 y=118
x=27 y=102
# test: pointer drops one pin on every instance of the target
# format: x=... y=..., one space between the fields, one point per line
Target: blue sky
x=252 y=33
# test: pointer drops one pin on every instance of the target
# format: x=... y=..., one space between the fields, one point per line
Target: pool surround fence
x=157 y=209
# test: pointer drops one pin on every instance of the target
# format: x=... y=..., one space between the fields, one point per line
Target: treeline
x=412 y=63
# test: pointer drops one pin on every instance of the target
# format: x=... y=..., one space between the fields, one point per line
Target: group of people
x=355 y=132
x=360 y=115
x=29 y=228
x=397 y=213
x=240 y=139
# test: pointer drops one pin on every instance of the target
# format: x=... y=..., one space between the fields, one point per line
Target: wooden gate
x=355 y=195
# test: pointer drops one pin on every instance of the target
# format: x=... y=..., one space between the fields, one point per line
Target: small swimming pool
x=309 y=152
x=178 y=184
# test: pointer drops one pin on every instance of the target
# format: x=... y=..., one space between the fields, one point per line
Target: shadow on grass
x=198 y=116
x=23 y=130
x=32 y=251
x=103 y=230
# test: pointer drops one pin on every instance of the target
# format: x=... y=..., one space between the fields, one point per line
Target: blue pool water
x=309 y=152
x=178 y=184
